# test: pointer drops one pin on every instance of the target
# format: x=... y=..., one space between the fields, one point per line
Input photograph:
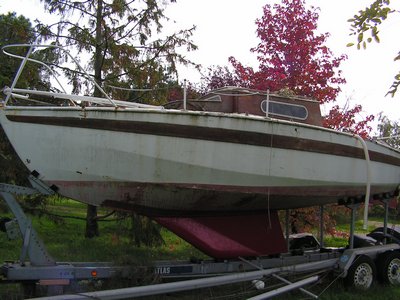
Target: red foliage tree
x=290 y=55
x=345 y=120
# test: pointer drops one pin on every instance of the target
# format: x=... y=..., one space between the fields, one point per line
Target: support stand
x=353 y=207
x=321 y=226
x=287 y=233
x=385 y=220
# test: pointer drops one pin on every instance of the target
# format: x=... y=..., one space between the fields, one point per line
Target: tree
x=367 y=21
x=345 y=119
x=118 y=36
x=291 y=55
x=389 y=131
x=15 y=29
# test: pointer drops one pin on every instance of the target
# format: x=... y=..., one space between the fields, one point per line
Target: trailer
x=376 y=256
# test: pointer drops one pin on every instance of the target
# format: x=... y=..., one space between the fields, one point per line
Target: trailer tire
x=389 y=268
x=361 y=273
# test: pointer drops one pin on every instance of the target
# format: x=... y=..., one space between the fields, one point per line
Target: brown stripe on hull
x=210 y=134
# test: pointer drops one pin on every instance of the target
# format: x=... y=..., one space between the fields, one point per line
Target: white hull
x=172 y=161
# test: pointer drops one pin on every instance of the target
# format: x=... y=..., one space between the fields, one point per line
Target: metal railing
x=73 y=99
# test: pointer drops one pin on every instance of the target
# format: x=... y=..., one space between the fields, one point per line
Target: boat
x=215 y=170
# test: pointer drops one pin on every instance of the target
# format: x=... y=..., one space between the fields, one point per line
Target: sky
x=227 y=28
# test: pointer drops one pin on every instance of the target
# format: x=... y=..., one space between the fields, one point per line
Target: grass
x=65 y=241
x=334 y=241
x=111 y=244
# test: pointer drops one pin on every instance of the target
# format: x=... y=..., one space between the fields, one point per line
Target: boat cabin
x=243 y=101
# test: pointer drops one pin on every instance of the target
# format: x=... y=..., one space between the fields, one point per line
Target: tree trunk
x=99 y=49
x=92 y=228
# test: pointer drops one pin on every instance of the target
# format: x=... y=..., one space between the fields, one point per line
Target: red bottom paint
x=230 y=236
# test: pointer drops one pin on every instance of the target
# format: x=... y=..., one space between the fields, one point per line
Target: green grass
x=65 y=239
x=358 y=227
x=333 y=241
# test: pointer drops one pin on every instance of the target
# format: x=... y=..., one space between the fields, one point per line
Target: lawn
x=64 y=238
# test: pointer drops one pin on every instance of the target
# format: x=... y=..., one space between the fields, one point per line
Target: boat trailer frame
x=63 y=277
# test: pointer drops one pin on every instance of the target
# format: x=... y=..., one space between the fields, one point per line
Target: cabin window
x=213 y=98
x=287 y=110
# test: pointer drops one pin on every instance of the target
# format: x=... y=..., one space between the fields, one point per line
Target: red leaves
x=289 y=54
x=346 y=120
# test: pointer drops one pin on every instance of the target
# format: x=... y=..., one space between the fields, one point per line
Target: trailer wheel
x=361 y=273
x=389 y=268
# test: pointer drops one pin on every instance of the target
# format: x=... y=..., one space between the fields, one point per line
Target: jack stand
x=321 y=226
x=287 y=216
x=386 y=217
x=353 y=207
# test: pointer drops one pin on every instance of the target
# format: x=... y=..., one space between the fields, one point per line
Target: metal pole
x=285 y=289
x=21 y=67
x=368 y=183
x=301 y=289
x=352 y=223
x=385 y=220
x=267 y=105
x=287 y=229
x=186 y=285
x=184 y=94
x=279 y=278
x=321 y=226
